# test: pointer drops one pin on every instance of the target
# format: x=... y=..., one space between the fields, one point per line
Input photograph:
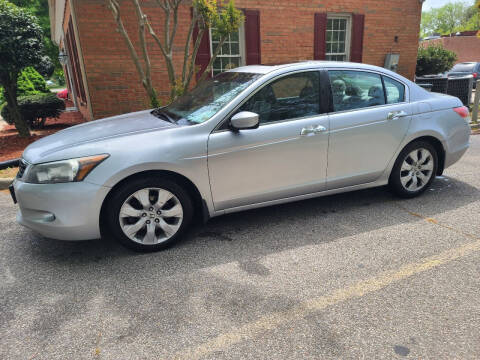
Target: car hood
x=99 y=130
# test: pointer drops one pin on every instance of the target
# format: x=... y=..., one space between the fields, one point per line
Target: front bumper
x=69 y=211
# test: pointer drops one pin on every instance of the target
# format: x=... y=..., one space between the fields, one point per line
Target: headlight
x=63 y=171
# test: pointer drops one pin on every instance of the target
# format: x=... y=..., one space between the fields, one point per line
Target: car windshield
x=468 y=67
x=208 y=97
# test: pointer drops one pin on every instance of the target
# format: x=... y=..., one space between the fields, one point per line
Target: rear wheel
x=149 y=214
x=414 y=169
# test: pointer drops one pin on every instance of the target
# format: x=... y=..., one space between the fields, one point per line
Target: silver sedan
x=250 y=137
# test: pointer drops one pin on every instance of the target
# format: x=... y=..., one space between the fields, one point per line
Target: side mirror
x=244 y=120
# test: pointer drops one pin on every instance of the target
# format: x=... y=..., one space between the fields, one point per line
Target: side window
x=395 y=90
x=355 y=89
x=290 y=97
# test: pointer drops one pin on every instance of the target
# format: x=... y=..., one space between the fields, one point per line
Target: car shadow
x=259 y=232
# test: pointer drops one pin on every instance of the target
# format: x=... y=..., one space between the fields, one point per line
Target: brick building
x=103 y=78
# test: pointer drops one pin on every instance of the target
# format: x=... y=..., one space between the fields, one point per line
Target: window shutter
x=356 y=51
x=252 y=37
x=203 y=54
x=319 y=36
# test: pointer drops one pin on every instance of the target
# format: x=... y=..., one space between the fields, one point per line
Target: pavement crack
x=436 y=222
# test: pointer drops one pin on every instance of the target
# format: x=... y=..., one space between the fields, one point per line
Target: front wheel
x=414 y=169
x=149 y=214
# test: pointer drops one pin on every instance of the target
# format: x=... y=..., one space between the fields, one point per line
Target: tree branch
x=191 y=68
x=186 y=54
x=121 y=29
x=212 y=58
x=141 y=34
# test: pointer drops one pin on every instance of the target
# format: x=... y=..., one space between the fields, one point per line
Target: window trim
x=348 y=34
x=332 y=111
x=241 y=46
x=385 y=90
x=323 y=111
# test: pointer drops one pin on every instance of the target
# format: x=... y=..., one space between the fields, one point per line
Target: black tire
x=121 y=194
x=394 y=181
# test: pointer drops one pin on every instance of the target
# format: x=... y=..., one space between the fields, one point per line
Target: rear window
x=464 y=67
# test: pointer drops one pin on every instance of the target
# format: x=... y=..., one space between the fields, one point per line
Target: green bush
x=434 y=59
x=35 y=109
x=59 y=77
x=29 y=82
x=37 y=80
x=25 y=85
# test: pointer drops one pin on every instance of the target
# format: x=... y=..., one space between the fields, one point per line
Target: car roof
x=273 y=70
x=265 y=69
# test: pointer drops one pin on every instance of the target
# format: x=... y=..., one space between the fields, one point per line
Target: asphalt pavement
x=362 y=275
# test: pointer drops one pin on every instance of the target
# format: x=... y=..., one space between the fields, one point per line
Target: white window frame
x=348 y=34
x=241 y=46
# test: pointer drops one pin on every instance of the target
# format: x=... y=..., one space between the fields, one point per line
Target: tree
x=20 y=46
x=434 y=59
x=205 y=14
x=39 y=8
x=450 y=18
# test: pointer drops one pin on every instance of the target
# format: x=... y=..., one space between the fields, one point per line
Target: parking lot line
x=359 y=289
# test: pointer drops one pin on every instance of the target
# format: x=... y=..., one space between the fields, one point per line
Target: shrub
x=59 y=77
x=30 y=82
x=25 y=85
x=35 y=109
x=434 y=59
x=37 y=80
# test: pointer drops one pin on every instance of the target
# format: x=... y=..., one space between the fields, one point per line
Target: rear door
x=369 y=120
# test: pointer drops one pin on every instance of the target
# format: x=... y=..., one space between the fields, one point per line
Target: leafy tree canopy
x=20 y=39
x=39 y=8
x=450 y=18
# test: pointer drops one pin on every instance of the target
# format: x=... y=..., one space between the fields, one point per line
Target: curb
x=474 y=126
x=5 y=183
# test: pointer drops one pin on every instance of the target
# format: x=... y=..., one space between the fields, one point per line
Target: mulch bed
x=12 y=146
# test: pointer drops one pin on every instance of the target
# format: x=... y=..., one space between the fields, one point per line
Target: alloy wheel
x=151 y=216
x=416 y=170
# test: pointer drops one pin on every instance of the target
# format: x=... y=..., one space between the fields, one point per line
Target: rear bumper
x=69 y=211
x=452 y=157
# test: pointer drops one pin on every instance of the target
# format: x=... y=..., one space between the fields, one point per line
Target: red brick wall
x=467 y=48
x=286 y=35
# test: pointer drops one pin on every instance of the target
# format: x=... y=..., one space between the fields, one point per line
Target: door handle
x=396 y=115
x=319 y=129
x=313 y=130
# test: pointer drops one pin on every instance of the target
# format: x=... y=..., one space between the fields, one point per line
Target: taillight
x=462 y=111
x=475 y=75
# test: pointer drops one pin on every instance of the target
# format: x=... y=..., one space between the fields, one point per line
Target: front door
x=370 y=120
x=284 y=157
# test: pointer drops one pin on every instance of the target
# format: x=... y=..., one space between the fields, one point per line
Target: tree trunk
x=11 y=96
